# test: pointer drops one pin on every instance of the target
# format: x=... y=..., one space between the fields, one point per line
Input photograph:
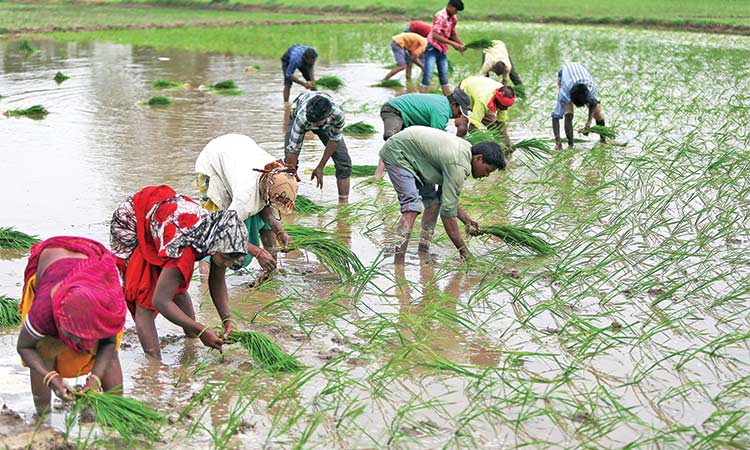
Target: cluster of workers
x=77 y=292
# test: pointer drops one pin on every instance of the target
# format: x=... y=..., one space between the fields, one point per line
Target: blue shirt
x=570 y=75
x=294 y=58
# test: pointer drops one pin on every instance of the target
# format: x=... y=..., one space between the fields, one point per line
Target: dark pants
x=341 y=159
x=392 y=121
x=305 y=70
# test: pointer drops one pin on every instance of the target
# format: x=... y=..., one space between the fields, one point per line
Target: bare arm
x=217 y=287
x=26 y=348
x=327 y=153
x=451 y=228
x=443 y=40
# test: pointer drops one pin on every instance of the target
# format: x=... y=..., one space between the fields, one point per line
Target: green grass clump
x=159 y=100
x=227 y=84
x=389 y=84
x=519 y=236
x=165 y=84
x=60 y=77
x=358 y=171
x=12 y=239
x=483 y=135
x=9 y=314
x=332 y=83
x=359 y=129
x=601 y=130
x=264 y=351
x=27 y=48
x=34 y=112
x=479 y=43
x=304 y=205
x=331 y=252
x=131 y=418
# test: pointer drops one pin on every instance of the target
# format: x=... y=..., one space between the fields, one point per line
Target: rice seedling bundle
x=520 y=91
x=131 y=418
x=389 y=84
x=165 y=84
x=228 y=84
x=60 y=77
x=519 y=236
x=358 y=171
x=359 y=129
x=483 y=135
x=229 y=92
x=331 y=252
x=601 y=130
x=535 y=147
x=264 y=351
x=9 y=315
x=332 y=83
x=11 y=239
x=303 y=205
x=36 y=111
x=27 y=48
x=159 y=100
x=479 y=44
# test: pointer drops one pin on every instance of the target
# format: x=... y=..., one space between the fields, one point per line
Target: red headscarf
x=500 y=98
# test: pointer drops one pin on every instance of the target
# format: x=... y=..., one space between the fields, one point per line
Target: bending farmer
x=302 y=58
x=496 y=59
x=576 y=88
x=407 y=49
x=490 y=101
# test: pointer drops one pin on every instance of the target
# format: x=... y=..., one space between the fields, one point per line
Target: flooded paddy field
x=635 y=334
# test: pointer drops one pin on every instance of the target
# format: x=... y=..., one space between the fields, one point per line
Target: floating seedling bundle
x=479 y=44
x=159 y=100
x=165 y=84
x=60 y=77
x=331 y=252
x=9 y=315
x=389 y=84
x=12 y=239
x=34 y=112
x=605 y=132
x=332 y=83
x=358 y=171
x=227 y=84
x=304 y=205
x=359 y=129
x=131 y=418
x=27 y=48
x=264 y=351
x=519 y=236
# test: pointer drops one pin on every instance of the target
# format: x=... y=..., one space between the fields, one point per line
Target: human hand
x=283 y=238
x=93 y=383
x=62 y=390
x=265 y=259
x=209 y=338
x=228 y=327
x=584 y=131
x=458 y=47
x=309 y=85
x=318 y=174
x=465 y=254
x=472 y=228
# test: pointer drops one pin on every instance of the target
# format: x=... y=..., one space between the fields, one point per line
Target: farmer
x=496 y=59
x=431 y=164
x=236 y=173
x=73 y=313
x=299 y=57
x=576 y=87
x=158 y=235
x=417 y=26
x=407 y=49
x=316 y=112
x=429 y=110
x=443 y=34
x=490 y=101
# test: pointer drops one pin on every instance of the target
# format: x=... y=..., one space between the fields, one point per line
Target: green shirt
x=434 y=157
x=429 y=110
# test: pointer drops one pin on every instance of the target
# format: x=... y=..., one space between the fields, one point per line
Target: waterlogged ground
x=634 y=335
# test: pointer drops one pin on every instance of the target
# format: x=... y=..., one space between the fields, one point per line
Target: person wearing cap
x=407 y=49
x=496 y=59
x=443 y=35
x=302 y=58
x=235 y=173
x=429 y=110
x=417 y=26
x=317 y=112
x=432 y=165
x=490 y=101
x=576 y=87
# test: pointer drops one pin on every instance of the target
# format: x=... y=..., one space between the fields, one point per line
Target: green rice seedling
x=520 y=236
x=60 y=77
x=159 y=100
x=131 y=418
x=9 y=315
x=34 y=112
x=303 y=205
x=535 y=147
x=520 y=91
x=228 y=84
x=601 y=130
x=165 y=84
x=27 y=48
x=12 y=239
x=229 y=92
x=479 y=44
x=264 y=351
x=331 y=252
x=359 y=129
x=389 y=84
x=358 y=171
x=332 y=83
x=483 y=135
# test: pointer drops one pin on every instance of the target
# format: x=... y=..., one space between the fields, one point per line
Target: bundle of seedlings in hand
x=605 y=132
x=519 y=236
x=159 y=100
x=131 y=418
x=483 y=135
x=304 y=205
x=34 y=112
x=165 y=84
x=332 y=83
x=389 y=84
x=359 y=129
x=11 y=239
x=358 y=171
x=264 y=351
x=9 y=315
x=536 y=148
x=331 y=252
x=60 y=77
x=479 y=44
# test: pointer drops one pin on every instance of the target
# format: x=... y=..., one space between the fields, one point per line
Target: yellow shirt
x=412 y=42
x=493 y=55
x=481 y=90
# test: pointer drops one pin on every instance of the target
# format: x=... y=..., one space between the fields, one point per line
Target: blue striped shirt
x=332 y=126
x=570 y=75
x=294 y=57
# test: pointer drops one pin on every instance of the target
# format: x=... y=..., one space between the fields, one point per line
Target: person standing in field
x=407 y=49
x=443 y=35
x=490 y=101
x=496 y=59
x=302 y=58
x=417 y=26
x=576 y=88
x=317 y=112
x=432 y=165
x=429 y=110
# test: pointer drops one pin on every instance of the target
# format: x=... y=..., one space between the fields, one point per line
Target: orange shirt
x=412 y=42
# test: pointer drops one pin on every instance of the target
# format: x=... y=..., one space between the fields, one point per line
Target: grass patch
x=131 y=418
x=34 y=112
x=159 y=100
x=9 y=315
x=359 y=129
x=264 y=351
x=60 y=77
x=165 y=84
x=389 y=84
x=519 y=236
x=331 y=82
x=331 y=252
x=12 y=239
